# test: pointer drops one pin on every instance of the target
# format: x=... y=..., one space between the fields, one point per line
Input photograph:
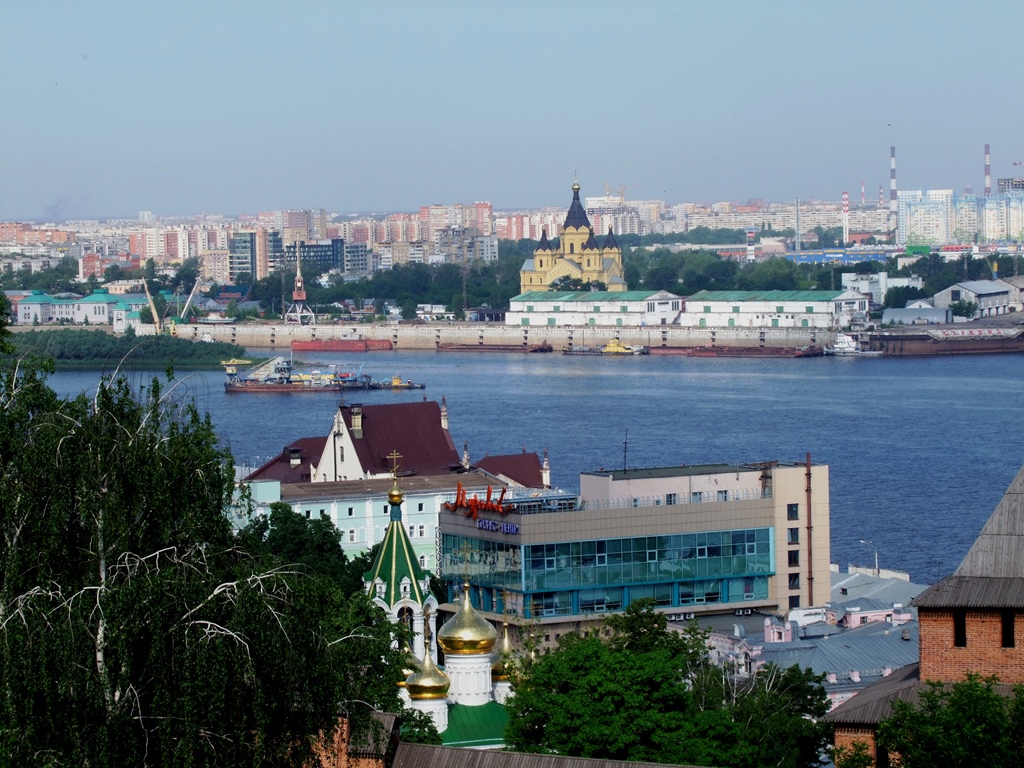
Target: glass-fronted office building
x=693 y=539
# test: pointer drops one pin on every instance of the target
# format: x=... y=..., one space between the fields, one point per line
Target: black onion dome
x=591 y=244
x=577 y=217
x=544 y=244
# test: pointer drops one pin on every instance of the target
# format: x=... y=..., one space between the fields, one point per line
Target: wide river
x=920 y=450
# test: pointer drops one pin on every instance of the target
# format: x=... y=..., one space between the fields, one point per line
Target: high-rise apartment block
x=924 y=217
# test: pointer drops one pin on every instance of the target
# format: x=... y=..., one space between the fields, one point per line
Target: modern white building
x=774 y=309
x=876 y=285
x=615 y=309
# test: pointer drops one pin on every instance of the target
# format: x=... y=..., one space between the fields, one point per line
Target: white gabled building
x=992 y=297
x=614 y=309
x=774 y=309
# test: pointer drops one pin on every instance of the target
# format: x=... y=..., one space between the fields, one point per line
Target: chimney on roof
x=357 y=422
x=444 y=414
x=294 y=457
x=545 y=471
x=855 y=676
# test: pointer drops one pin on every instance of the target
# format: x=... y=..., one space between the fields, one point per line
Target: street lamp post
x=872 y=544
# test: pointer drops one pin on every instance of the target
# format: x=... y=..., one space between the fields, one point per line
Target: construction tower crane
x=152 y=306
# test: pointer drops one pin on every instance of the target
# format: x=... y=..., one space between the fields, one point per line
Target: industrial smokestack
x=846 y=218
x=892 y=189
x=988 y=172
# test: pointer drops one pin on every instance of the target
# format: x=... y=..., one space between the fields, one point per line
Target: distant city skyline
x=232 y=108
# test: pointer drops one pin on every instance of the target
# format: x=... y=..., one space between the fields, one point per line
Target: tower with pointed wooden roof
x=579 y=255
x=397 y=583
x=973 y=620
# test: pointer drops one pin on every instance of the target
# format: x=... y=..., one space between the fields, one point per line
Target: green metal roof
x=395 y=561
x=102 y=298
x=476 y=727
x=765 y=296
x=585 y=296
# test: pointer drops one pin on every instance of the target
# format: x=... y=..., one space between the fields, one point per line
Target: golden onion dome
x=395 y=494
x=428 y=683
x=498 y=658
x=467 y=632
x=410 y=664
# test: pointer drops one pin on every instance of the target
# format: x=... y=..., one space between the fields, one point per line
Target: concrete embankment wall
x=428 y=336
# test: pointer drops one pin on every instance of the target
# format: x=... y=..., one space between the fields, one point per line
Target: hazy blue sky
x=233 y=107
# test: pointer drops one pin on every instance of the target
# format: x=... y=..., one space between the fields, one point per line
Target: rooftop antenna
x=625 y=449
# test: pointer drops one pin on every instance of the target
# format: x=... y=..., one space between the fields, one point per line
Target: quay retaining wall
x=430 y=335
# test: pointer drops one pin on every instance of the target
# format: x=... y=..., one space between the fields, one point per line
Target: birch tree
x=134 y=629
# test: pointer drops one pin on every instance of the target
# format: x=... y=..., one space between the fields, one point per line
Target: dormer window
x=405 y=587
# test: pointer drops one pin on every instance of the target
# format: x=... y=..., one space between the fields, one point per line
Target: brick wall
x=847 y=735
x=984 y=652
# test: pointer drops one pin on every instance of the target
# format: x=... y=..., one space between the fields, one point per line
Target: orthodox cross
x=465 y=550
x=394 y=456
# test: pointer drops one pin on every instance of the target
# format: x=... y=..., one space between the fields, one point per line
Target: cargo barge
x=278 y=375
x=762 y=352
x=481 y=347
x=342 y=345
x=947 y=341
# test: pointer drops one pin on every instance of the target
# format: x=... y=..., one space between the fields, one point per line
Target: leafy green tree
x=649 y=694
x=5 y=320
x=857 y=755
x=776 y=712
x=409 y=309
x=901 y=296
x=134 y=628
x=314 y=543
x=964 y=308
x=589 y=700
x=418 y=728
x=771 y=275
x=966 y=724
x=566 y=283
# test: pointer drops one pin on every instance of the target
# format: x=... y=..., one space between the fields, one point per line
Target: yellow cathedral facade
x=579 y=256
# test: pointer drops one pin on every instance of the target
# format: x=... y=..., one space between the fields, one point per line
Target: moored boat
x=397 y=382
x=850 y=346
x=616 y=347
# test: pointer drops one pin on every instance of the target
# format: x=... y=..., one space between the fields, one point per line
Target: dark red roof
x=412 y=429
x=522 y=468
x=309 y=450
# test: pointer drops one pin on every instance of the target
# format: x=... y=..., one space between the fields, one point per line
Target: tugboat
x=850 y=346
x=616 y=347
x=397 y=382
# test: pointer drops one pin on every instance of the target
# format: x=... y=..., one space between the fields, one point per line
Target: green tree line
x=80 y=348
